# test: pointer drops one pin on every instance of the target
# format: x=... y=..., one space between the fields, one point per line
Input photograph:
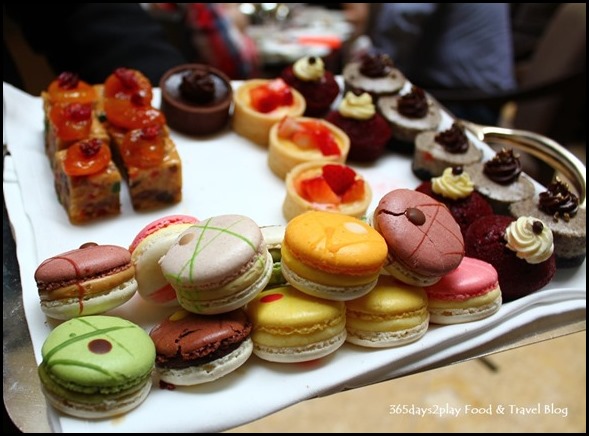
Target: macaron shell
x=213 y=252
x=159 y=224
x=98 y=354
x=153 y=286
x=335 y=243
x=92 y=260
x=432 y=248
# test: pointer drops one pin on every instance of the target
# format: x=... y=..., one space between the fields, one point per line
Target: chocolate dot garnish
x=312 y=60
x=99 y=346
x=537 y=227
x=457 y=170
x=415 y=216
x=88 y=244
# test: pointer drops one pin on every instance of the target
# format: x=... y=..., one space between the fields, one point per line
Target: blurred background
x=547 y=46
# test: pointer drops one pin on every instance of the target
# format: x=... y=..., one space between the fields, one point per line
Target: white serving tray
x=225 y=174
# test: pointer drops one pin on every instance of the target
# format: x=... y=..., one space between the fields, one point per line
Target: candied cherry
x=271 y=95
x=68 y=88
x=126 y=83
x=87 y=157
x=129 y=115
x=143 y=148
x=72 y=121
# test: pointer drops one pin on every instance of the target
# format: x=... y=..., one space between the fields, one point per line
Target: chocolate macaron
x=86 y=281
x=193 y=349
x=424 y=240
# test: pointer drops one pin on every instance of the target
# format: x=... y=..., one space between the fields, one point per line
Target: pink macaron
x=148 y=247
x=468 y=293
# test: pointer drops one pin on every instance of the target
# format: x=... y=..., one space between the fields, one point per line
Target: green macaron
x=97 y=366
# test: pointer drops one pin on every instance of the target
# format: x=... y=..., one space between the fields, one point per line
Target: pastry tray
x=226 y=174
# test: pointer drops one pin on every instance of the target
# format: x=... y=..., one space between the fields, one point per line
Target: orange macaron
x=331 y=255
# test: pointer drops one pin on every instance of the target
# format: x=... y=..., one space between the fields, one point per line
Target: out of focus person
x=450 y=46
x=92 y=39
x=213 y=34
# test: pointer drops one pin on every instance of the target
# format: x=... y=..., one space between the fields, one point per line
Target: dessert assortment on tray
x=354 y=258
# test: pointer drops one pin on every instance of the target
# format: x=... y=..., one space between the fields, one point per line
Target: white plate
x=227 y=174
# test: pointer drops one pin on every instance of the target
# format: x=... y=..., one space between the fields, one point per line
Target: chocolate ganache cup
x=196 y=99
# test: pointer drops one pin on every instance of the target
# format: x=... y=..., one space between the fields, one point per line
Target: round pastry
x=331 y=255
x=192 y=349
x=290 y=326
x=317 y=85
x=96 y=366
x=196 y=99
x=273 y=236
x=520 y=250
x=468 y=293
x=455 y=189
x=218 y=264
x=410 y=114
x=148 y=247
x=325 y=186
x=86 y=281
x=424 y=240
x=373 y=73
x=260 y=103
x=368 y=131
x=390 y=315
x=501 y=180
x=295 y=140
x=558 y=208
x=435 y=151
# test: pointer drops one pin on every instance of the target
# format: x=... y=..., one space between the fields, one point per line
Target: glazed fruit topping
x=308 y=135
x=87 y=157
x=126 y=83
x=271 y=95
x=126 y=114
x=143 y=148
x=337 y=184
x=68 y=80
x=71 y=121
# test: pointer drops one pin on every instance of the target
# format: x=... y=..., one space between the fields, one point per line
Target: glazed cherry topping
x=126 y=83
x=68 y=88
x=78 y=112
x=125 y=114
x=87 y=157
x=68 y=80
x=143 y=148
x=71 y=121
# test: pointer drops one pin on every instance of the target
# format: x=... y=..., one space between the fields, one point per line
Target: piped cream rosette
x=299 y=198
x=284 y=153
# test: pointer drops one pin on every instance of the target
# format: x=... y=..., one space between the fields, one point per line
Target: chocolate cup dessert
x=196 y=99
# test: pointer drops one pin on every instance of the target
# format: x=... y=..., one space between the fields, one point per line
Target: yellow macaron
x=331 y=255
x=392 y=314
x=290 y=326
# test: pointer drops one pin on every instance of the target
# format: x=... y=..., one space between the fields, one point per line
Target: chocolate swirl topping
x=453 y=140
x=504 y=168
x=414 y=104
x=376 y=65
x=198 y=87
x=559 y=201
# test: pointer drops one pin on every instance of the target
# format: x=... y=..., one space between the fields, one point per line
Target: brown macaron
x=86 y=281
x=193 y=349
x=424 y=240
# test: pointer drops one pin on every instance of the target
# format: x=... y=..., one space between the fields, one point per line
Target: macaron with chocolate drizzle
x=501 y=180
x=437 y=150
x=86 y=281
x=558 y=207
x=196 y=99
x=424 y=240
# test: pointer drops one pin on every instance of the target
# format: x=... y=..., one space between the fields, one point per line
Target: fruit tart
x=326 y=186
x=87 y=181
x=317 y=85
x=295 y=140
x=260 y=103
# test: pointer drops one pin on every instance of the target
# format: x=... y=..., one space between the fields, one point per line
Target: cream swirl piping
x=309 y=68
x=359 y=107
x=453 y=184
x=530 y=239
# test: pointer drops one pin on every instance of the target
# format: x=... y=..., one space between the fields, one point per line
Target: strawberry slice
x=288 y=126
x=305 y=139
x=262 y=99
x=281 y=91
x=340 y=178
x=317 y=190
x=355 y=192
